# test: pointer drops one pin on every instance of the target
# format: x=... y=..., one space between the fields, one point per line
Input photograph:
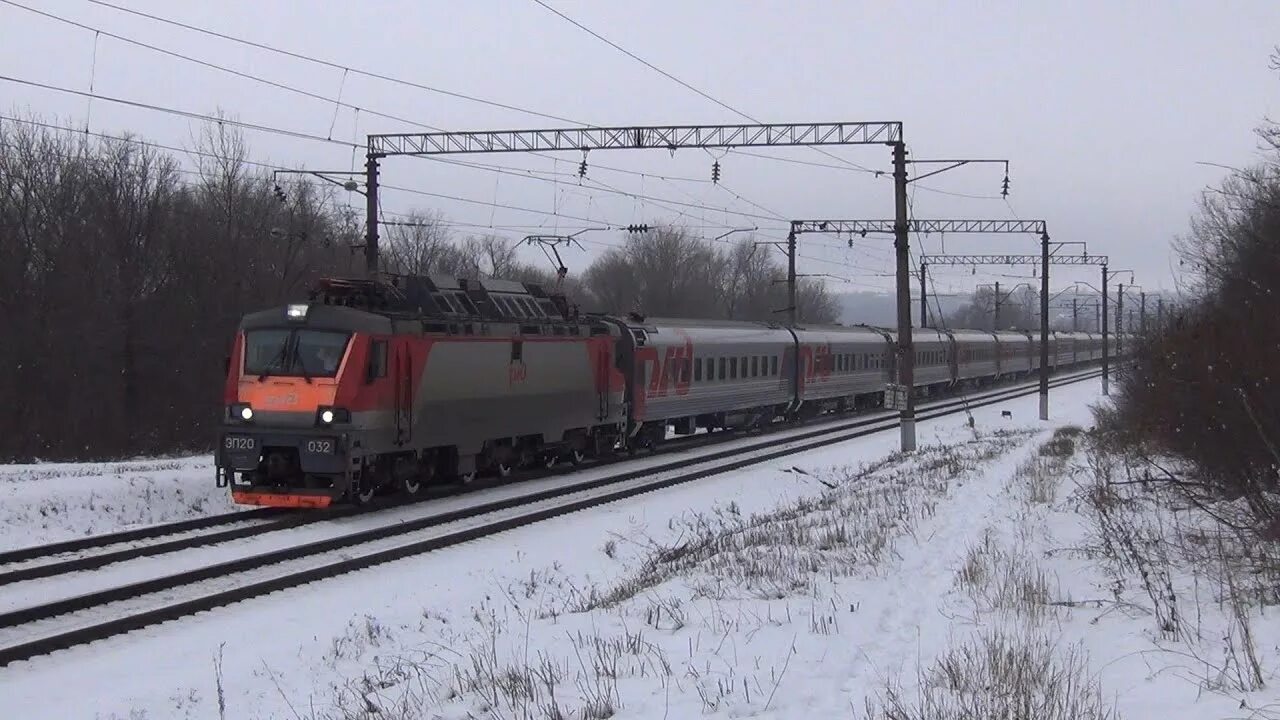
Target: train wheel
x=411 y=486
x=576 y=457
x=364 y=495
x=503 y=469
x=550 y=460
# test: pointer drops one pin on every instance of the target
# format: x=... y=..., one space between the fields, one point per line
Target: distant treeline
x=123 y=276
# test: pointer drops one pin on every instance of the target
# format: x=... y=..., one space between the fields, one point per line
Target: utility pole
x=995 y=319
x=791 y=280
x=924 y=304
x=1142 y=316
x=1120 y=319
x=1097 y=318
x=1106 y=390
x=1075 y=316
x=1044 y=326
x=906 y=358
x=1160 y=313
x=371 y=217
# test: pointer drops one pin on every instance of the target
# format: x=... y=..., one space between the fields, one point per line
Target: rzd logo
x=818 y=362
x=673 y=371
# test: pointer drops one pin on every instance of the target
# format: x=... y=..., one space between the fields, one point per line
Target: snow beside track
x=514 y=593
x=48 y=502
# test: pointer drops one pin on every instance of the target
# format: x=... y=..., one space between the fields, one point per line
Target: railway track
x=90 y=553
x=39 y=629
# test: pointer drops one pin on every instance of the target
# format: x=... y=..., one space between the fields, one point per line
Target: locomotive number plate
x=240 y=444
x=321 y=447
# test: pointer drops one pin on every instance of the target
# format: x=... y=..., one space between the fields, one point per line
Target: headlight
x=239 y=412
x=331 y=415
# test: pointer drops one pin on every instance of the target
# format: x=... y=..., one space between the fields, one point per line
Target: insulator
x=582 y=168
x=715 y=172
x=1004 y=189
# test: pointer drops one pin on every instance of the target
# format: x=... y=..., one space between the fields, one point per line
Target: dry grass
x=998 y=675
x=1148 y=537
x=477 y=681
x=792 y=549
x=1004 y=582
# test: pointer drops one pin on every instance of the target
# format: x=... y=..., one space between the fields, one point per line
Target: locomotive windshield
x=294 y=352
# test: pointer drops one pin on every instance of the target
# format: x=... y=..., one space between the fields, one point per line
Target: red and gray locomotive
x=393 y=384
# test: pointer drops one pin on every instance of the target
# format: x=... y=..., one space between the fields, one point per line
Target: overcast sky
x=1103 y=107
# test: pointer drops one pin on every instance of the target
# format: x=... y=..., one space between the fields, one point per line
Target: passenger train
x=391 y=385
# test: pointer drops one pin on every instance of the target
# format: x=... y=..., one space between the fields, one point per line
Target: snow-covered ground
x=824 y=585
x=49 y=502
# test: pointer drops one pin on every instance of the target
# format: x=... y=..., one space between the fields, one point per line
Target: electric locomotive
x=389 y=385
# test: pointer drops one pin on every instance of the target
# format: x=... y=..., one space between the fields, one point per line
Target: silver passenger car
x=976 y=354
x=843 y=367
x=691 y=373
x=1015 y=353
x=933 y=356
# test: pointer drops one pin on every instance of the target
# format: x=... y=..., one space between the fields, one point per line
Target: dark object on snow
x=1006 y=413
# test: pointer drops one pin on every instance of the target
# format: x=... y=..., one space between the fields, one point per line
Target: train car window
x=723 y=369
x=517 y=351
x=744 y=367
x=755 y=366
x=733 y=368
x=773 y=365
x=685 y=369
x=697 y=369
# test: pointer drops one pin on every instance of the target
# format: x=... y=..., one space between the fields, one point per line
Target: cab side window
x=377 y=360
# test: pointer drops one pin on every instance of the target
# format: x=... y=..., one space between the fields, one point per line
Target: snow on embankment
x=827 y=602
x=995 y=575
x=47 y=502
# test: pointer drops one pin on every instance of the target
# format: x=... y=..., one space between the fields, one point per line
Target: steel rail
x=90 y=633
x=36 y=552
x=294 y=519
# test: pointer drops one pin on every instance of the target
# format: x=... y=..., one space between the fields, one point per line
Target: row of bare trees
x=123 y=276
x=1018 y=311
x=666 y=272
x=1203 y=385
